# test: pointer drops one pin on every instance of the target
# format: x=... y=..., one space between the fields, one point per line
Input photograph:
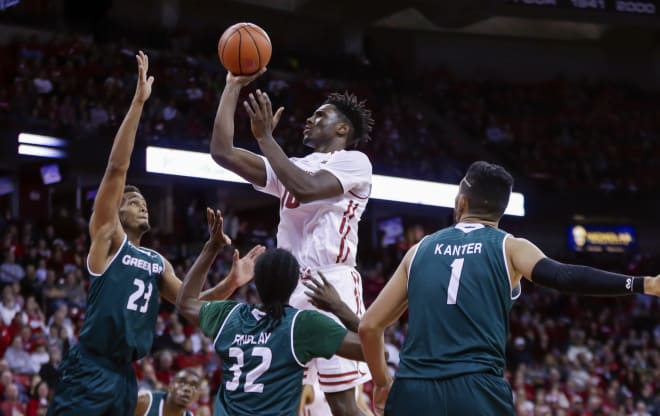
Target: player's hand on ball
x=144 y=82
x=242 y=268
x=262 y=120
x=243 y=80
x=321 y=293
x=217 y=237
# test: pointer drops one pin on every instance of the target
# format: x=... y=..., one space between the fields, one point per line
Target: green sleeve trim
x=212 y=316
x=315 y=335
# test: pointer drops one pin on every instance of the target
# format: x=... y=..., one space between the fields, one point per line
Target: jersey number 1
x=454 y=280
x=139 y=293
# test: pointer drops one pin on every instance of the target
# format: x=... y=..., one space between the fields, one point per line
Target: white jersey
x=324 y=232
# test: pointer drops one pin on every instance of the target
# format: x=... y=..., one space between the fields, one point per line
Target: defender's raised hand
x=217 y=238
x=144 y=82
x=260 y=110
x=242 y=268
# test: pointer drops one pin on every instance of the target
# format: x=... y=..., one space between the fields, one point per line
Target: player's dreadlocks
x=356 y=114
x=276 y=275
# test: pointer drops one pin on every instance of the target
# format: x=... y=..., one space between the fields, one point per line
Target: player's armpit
x=523 y=256
x=170 y=284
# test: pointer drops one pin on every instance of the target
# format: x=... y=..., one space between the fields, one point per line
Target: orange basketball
x=244 y=49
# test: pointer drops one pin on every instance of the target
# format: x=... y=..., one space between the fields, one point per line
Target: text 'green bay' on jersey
x=122 y=304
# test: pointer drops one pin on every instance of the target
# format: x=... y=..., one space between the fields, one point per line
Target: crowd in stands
x=574 y=134
x=566 y=355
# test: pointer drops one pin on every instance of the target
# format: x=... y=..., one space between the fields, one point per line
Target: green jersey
x=157 y=404
x=122 y=305
x=263 y=362
x=459 y=298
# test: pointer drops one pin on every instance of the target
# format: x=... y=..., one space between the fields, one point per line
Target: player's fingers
x=269 y=105
x=209 y=217
x=277 y=116
x=249 y=110
x=316 y=282
x=146 y=61
x=310 y=286
x=255 y=105
x=150 y=80
x=325 y=281
x=235 y=256
x=255 y=252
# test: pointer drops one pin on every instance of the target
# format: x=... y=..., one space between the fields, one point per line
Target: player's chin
x=144 y=226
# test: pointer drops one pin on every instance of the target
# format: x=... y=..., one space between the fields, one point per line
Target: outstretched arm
x=305 y=187
x=240 y=161
x=324 y=296
x=383 y=312
x=241 y=272
x=104 y=227
x=529 y=261
x=188 y=297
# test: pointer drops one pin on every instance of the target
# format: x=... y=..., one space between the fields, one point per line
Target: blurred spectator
x=10 y=271
x=19 y=360
x=11 y=404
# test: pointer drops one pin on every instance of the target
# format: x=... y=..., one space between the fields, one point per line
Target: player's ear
x=343 y=129
x=461 y=205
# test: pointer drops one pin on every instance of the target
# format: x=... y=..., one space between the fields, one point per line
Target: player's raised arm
x=527 y=260
x=241 y=273
x=240 y=161
x=188 y=297
x=104 y=228
x=303 y=186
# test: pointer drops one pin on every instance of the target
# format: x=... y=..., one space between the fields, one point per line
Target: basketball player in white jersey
x=322 y=197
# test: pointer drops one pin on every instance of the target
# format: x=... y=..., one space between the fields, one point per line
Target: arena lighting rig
x=388 y=188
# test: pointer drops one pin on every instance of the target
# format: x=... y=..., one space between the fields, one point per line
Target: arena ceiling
x=479 y=17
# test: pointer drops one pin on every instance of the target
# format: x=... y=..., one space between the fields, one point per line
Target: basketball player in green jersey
x=263 y=348
x=126 y=281
x=182 y=392
x=458 y=285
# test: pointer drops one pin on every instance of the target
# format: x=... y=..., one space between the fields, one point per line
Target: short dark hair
x=487 y=187
x=356 y=114
x=190 y=371
x=131 y=188
x=276 y=275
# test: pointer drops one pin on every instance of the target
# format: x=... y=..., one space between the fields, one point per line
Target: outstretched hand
x=322 y=294
x=242 y=268
x=217 y=238
x=260 y=110
x=144 y=82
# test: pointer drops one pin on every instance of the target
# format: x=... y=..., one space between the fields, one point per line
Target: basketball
x=244 y=49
